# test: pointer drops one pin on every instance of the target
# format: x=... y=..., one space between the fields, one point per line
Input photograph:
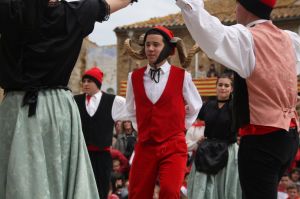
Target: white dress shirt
x=155 y=90
x=232 y=46
x=118 y=108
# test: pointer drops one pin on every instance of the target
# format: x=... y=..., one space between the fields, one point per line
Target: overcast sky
x=103 y=33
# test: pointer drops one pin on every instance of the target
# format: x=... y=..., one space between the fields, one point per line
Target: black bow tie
x=153 y=75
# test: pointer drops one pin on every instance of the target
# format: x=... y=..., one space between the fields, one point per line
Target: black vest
x=98 y=129
x=240 y=108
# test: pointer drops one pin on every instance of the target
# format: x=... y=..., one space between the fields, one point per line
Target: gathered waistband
x=31 y=96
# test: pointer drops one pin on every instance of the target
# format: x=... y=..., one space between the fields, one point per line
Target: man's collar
x=164 y=68
x=98 y=95
x=253 y=23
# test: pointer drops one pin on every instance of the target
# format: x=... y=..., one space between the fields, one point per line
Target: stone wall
x=80 y=67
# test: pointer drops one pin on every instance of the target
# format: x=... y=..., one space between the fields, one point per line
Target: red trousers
x=166 y=160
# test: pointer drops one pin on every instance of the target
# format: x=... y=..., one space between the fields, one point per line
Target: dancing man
x=163 y=102
x=266 y=60
x=99 y=111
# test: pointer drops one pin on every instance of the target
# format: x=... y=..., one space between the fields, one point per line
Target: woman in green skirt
x=42 y=149
x=222 y=183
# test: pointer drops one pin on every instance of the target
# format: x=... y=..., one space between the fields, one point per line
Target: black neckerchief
x=223 y=101
x=153 y=75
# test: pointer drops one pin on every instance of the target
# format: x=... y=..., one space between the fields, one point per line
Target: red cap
x=94 y=74
x=166 y=31
x=167 y=35
x=270 y=3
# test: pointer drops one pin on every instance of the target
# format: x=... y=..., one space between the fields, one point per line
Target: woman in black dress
x=217 y=117
x=42 y=149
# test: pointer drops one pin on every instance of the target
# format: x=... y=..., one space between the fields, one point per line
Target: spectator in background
x=283 y=183
x=120 y=162
x=131 y=138
x=118 y=186
x=201 y=73
x=212 y=71
x=117 y=131
x=127 y=139
x=229 y=72
x=295 y=176
x=292 y=191
x=118 y=128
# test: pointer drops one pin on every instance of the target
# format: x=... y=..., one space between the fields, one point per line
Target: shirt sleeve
x=130 y=103
x=118 y=111
x=90 y=11
x=296 y=44
x=192 y=99
x=231 y=46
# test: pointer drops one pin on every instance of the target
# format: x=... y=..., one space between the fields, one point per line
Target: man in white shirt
x=99 y=111
x=266 y=62
x=156 y=100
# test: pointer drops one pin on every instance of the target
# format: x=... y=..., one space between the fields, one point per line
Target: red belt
x=96 y=148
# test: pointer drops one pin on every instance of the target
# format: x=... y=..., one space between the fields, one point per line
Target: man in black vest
x=99 y=111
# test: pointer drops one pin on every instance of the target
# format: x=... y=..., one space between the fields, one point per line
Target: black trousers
x=102 y=167
x=263 y=159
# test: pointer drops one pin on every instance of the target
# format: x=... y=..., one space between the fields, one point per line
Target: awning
x=206 y=87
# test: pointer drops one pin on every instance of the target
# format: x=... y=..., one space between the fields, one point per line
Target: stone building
x=286 y=15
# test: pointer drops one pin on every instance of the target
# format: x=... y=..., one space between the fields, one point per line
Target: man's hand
x=201 y=139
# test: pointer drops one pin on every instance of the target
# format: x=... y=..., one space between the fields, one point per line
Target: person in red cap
x=42 y=149
x=266 y=61
x=162 y=102
x=99 y=111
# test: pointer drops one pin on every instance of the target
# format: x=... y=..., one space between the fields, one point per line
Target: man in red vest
x=163 y=102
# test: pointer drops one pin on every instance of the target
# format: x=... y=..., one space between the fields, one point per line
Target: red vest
x=164 y=119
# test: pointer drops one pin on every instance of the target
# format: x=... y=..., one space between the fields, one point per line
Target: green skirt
x=44 y=156
x=224 y=185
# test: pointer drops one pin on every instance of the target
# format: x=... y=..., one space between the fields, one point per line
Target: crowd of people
x=161 y=141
